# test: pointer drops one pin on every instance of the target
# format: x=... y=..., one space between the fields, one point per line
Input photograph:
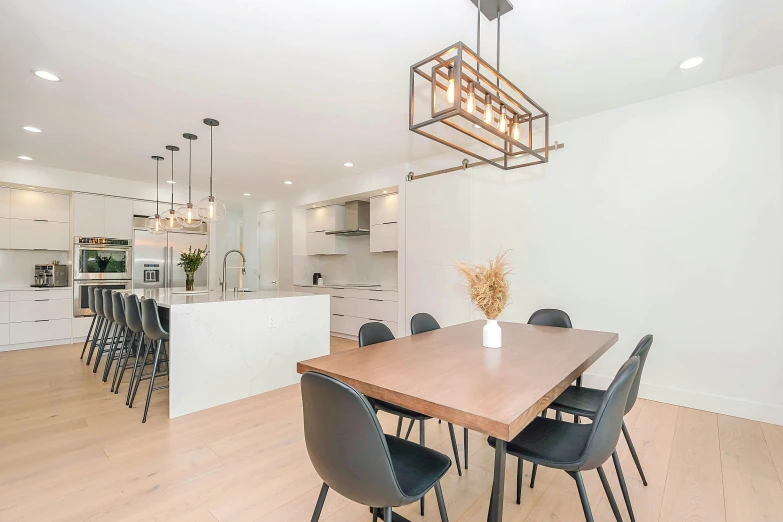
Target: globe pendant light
x=210 y=208
x=170 y=222
x=154 y=224
x=186 y=214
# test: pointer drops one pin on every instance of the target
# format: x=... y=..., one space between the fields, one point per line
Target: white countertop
x=353 y=286
x=11 y=288
x=168 y=297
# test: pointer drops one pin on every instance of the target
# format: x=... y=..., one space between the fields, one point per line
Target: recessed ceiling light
x=348 y=164
x=170 y=181
x=690 y=63
x=288 y=182
x=385 y=191
x=246 y=194
x=32 y=129
x=46 y=75
x=32 y=188
x=26 y=158
x=477 y=125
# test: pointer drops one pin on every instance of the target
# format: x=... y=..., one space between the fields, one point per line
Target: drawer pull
x=379 y=300
x=42 y=320
x=41 y=220
x=39 y=300
x=339 y=315
x=388 y=223
x=379 y=320
x=338 y=297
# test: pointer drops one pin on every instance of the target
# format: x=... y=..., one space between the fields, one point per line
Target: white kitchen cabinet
x=36 y=205
x=4 y=328
x=353 y=307
x=39 y=293
x=5 y=308
x=27 y=311
x=26 y=234
x=4 y=231
x=39 y=331
x=88 y=211
x=321 y=219
x=5 y=202
x=384 y=209
x=383 y=238
x=320 y=243
x=80 y=327
x=118 y=218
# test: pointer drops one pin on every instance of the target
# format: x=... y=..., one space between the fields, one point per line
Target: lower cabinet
x=39 y=331
x=35 y=316
x=353 y=307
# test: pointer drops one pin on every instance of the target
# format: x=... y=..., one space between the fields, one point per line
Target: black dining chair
x=575 y=448
x=93 y=323
x=374 y=333
x=422 y=323
x=159 y=338
x=353 y=456
x=586 y=401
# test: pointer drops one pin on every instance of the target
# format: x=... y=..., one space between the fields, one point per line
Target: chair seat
x=579 y=401
x=550 y=443
x=416 y=467
x=399 y=410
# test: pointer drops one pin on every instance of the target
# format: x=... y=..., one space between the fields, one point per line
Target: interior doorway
x=268 y=251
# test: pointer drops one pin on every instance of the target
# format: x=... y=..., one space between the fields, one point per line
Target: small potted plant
x=489 y=292
x=190 y=261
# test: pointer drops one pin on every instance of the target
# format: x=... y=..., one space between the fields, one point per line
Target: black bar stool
x=109 y=326
x=126 y=343
x=96 y=306
x=153 y=330
x=133 y=320
x=116 y=349
x=91 y=306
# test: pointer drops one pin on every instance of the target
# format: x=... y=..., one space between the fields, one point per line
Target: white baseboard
x=42 y=344
x=764 y=412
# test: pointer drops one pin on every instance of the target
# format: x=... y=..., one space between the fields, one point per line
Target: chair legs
x=623 y=487
x=95 y=338
x=441 y=504
x=633 y=453
x=152 y=380
x=609 y=495
x=519 y=480
x=410 y=427
x=89 y=335
x=320 y=504
x=399 y=426
x=533 y=475
x=454 y=448
x=140 y=374
x=580 y=485
x=135 y=367
x=122 y=361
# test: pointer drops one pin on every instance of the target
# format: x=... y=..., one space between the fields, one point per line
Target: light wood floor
x=69 y=450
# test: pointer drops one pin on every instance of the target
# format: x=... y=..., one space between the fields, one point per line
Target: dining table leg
x=495 y=513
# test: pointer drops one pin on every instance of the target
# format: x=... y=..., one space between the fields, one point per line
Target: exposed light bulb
x=211 y=209
x=171 y=220
x=488 y=110
x=190 y=215
x=470 y=105
x=450 y=90
x=157 y=224
x=503 y=122
x=515 y=129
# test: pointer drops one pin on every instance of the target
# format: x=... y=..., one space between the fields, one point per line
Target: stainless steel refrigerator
x=155 y=258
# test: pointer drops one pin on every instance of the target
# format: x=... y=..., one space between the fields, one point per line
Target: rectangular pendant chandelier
x=461 y=101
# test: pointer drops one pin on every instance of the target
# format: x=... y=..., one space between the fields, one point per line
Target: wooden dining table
x=447 y=374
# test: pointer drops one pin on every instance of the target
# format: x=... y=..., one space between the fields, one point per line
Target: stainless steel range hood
x=357 y=220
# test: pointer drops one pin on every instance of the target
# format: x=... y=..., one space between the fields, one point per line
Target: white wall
x=663 y=217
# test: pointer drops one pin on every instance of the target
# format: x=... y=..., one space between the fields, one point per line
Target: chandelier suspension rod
x=498 y=61
x=466 y=164
x=478 y=38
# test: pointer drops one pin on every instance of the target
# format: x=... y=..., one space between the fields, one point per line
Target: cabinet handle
x=339 y=315
x=41 y=220
x=42 y=320
x=388 y=223
x=379 y=320
x=338 y=297
x=379 y=300
x=39 y=300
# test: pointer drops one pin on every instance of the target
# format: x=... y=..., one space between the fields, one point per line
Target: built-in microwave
x=102 y=258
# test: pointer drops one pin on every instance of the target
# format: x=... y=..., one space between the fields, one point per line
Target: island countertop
x=168 y=297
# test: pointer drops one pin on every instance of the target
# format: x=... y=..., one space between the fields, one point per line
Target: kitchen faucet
x=225 y=257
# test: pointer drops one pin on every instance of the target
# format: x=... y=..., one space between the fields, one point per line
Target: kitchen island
x=226 y=348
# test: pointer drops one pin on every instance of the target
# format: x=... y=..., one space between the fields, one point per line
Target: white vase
x=492 y=334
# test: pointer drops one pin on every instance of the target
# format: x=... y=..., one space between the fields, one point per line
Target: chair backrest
x=421 y=323
x=373 y=333
x=133 y=313
x=97 y=300
x=108 y=310
x=91 y=298
x=550 y=317
x=150 y=321
x=641 y=351
x=118 y=307
x=346 y=443
x=608 y=420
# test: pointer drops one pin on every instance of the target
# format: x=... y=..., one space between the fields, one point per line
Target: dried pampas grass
x=488 y=285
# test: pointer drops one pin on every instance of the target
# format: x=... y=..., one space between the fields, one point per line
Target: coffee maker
x=50 y=276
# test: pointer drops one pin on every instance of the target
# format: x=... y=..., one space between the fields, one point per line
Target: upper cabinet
x=40 y=206
x=321 y=219
x=383 y=209
x=383 y=221
x=102 y=216
x=5 y=202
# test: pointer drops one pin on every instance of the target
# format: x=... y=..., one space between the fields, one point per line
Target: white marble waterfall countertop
x=168 y=297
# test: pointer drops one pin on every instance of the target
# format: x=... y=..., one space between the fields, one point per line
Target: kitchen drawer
x=26 y=311
x=344 y=306
x=37 y=331
x=378 y=310
x=81 y=326
x=346 y=325
x=5 y=233
x=4 y=297
x=384 y=295
x=43 y=293
x=4 y=307
x=4 y=334
x=392 y=326
x=320 y=290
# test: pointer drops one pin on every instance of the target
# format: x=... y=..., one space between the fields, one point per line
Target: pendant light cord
x=190 y=166
x=172 y=179
x=498 y=61
x=478 y=39
x=210 y=161
x=157 y=187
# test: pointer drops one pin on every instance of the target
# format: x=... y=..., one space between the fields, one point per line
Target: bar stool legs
x=95 y=339
x=89 y=335
x=139 y=351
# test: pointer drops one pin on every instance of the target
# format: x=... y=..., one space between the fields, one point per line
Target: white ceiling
x=302 y=87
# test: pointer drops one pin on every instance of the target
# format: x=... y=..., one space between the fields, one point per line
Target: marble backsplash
x=359 y=265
